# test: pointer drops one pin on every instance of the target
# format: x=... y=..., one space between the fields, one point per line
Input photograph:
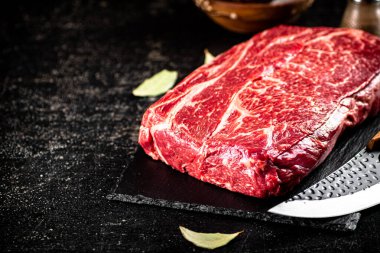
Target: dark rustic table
x=69 y=127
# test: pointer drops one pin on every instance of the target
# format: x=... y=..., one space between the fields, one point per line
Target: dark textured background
x=69 y=126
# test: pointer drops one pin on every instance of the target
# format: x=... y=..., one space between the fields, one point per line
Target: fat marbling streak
x=353 y=187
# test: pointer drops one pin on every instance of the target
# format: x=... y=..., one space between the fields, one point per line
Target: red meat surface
x=265 y=113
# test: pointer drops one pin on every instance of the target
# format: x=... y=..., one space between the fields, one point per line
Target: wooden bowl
x=249 y=17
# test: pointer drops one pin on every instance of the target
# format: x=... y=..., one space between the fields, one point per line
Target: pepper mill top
x=363 y=14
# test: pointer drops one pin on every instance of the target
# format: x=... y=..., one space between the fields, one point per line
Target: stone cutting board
x=151 y=182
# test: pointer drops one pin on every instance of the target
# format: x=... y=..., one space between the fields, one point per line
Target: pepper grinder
x=363 y=14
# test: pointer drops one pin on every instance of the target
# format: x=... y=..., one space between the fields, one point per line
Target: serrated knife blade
x=353 y=187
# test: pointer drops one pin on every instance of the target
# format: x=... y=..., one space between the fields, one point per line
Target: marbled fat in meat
x=265 y=113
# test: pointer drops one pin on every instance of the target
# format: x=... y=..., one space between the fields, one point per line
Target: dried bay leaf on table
x=208 y=56
x=207 y=240
x=157 y=84
x=162 y=81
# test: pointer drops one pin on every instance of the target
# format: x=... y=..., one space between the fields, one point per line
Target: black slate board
x=151 y=182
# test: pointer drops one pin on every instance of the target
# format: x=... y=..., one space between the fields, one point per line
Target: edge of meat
x=312 y=150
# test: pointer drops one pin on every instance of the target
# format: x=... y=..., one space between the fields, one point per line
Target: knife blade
x=353 y=187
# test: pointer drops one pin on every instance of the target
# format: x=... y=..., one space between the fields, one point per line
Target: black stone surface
x=69 y=127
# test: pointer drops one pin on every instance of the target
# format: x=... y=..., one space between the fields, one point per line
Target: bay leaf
x=208 y=56
x=207 y=240
x=157 y=84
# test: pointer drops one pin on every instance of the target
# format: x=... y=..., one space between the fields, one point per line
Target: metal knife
x=353 y=187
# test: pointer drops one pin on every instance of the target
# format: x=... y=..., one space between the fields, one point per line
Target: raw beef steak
x=265 y=113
